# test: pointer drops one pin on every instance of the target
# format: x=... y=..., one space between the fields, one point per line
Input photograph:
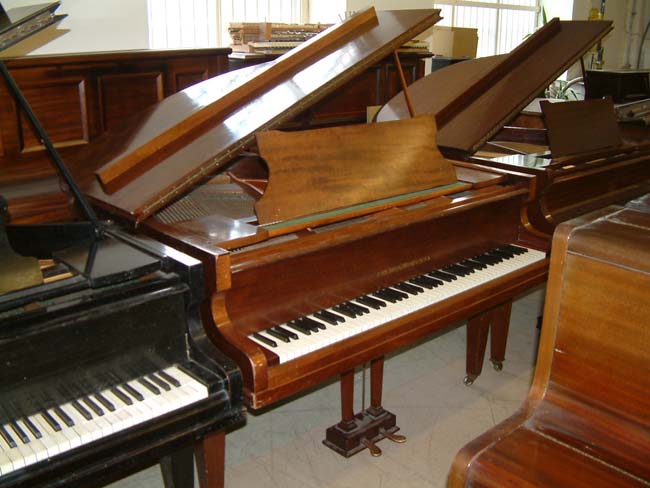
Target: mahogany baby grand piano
x=349 y=243
x=589 y=164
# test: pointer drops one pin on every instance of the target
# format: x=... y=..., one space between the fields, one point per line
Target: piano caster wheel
x=497 y=365
x=372 y=447
x=398 y=438
x=469 y=380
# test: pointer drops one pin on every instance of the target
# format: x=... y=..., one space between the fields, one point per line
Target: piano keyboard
x=33 y=438
x=307 y=334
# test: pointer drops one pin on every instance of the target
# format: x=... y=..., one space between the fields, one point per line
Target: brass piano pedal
x=372 y=447
x=391 y=436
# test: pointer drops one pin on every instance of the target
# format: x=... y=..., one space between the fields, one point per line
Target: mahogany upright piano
x=586 y=420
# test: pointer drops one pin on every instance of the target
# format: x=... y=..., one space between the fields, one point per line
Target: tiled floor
x=422 y=386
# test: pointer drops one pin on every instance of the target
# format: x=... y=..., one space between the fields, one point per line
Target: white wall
x=92 y=25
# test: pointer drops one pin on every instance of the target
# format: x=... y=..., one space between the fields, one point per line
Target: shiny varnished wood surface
x=586 y=420
x=189 y=164
x=77 y=98
x=329 y=169
x=466 y=127
x=136 y=160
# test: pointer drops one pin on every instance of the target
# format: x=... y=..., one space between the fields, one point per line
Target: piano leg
x=210 y=457
x=496 y=322
x=178 y=469
x=363 y=430
x=499 y=334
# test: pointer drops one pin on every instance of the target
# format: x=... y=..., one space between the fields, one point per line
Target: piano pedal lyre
x=354 y=433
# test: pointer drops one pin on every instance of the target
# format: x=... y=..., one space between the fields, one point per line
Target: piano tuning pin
x=372 y=447
x=398 y=438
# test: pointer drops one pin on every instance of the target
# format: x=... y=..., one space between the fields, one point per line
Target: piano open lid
x=218 y=140
x=474 y=99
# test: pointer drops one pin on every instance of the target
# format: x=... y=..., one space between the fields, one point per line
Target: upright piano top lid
x=474 y=99
x=189 y=159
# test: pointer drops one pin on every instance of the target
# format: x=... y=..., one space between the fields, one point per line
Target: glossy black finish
x=136 y=311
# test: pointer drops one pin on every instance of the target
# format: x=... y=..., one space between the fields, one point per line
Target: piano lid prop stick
x=125 y=168
x=402 y=80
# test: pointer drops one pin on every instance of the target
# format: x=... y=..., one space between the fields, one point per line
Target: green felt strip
x=363 y=206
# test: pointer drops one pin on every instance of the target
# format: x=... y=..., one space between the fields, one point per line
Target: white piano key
x=375 y=318
x=85 y=431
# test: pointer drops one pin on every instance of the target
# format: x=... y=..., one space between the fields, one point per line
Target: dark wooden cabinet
x=78 y=97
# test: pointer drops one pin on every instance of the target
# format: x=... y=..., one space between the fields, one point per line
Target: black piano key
x=371 y=302
x=489 y=260
x=515 y=249
x=457 y=270
x=501 y=253
x=133 y=392
x=149 y=386
x=82 y=411
x=359 y=309
x=471 y=263
x=426 y=282
x=277 y=335
x=348 y=312
x=408 y=288
x=397 y=293
x=329 y=317
x=19 y=432
x=288 y=333
x=51 y=421
x=7 y=437
x=384 y=294
x=299 y=327
x=93 y=406
x=32 y=428
x=314 y=325
x=63 y=416
x=441 y=275
x=105 y=402
x=121 y=395
x=169 y=378
x=265 y=340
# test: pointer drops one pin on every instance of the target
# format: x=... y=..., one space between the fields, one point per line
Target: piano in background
x=473 y=100
x=586 y=420
x=348 y=243
x=106 y=366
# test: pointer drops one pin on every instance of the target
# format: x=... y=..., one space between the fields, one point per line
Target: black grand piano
x=105 y=365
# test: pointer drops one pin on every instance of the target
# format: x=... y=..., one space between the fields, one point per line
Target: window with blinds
x=193 y=23
x=501 y=24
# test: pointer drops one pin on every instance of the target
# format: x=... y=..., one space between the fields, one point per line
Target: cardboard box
x=454 y=42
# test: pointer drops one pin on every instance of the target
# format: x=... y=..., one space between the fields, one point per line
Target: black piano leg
x=496 y=322
x=178 y=468
x=355 y=433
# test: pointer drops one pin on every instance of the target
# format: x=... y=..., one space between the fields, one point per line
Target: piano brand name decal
x=403 y=266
